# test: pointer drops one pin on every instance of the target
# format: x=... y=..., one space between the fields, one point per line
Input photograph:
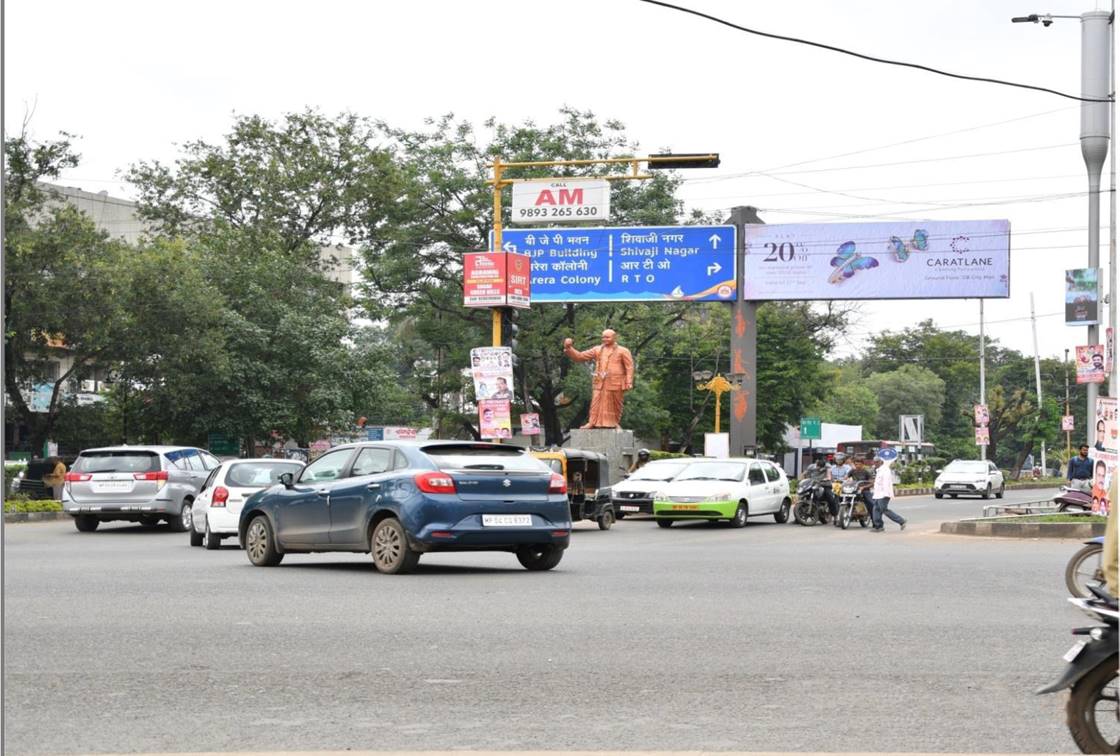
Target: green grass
x=1051 y=518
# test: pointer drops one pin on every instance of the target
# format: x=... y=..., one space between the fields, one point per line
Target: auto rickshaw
x=589 y=483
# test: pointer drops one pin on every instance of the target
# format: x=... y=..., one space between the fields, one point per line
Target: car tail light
x=221 y=495
x=560 y=534
x=159 y=475
x=557 y=484
x=435 y=482
x=73 y=477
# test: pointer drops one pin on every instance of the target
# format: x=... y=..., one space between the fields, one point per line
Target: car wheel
x=260 y=543
x=740 y=518
x=999 y=493
x=663 y=523
x=196 y=537
x=86 y=523
x=388 y=545
x=606 y=519
x=183 y=522
x=540 y=558
x=782 y=515
x=213 y=541
x=987 y=492
x=938 y=495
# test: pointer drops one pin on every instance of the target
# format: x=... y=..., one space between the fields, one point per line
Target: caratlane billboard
x=895 y=260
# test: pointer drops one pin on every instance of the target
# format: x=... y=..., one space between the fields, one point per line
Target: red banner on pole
x=496 y=279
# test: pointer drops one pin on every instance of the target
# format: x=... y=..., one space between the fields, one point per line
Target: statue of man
x=614 y=375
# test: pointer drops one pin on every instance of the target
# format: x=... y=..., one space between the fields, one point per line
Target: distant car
x=969 y=477
x=142 y=484
x=724 y=489
x=635 y=494
x=217 y=508
x=397 y=500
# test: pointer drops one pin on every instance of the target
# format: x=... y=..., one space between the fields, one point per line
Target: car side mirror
x=286 y=479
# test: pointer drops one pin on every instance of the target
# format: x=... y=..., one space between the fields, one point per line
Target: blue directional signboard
x=628 y=264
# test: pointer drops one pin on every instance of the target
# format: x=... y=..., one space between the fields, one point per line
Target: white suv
x=971 y=477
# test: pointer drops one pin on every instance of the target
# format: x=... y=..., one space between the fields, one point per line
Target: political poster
x=1104 y=438
x=983 y=436
x=494 y=418
x=496 y=279
x=492 y=371
x=1067 y=423
x=1103 y=454
x=1090 y=364
x=980 y=414
x=895 y=260
x=1083 y=296
x=530 y=424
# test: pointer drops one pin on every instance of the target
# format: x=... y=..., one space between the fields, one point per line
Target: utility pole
x=983 y=389
x=743 y=425
x=1065 y=369
x=1037 y=376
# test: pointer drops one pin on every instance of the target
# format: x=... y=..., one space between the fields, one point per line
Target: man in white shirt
x=883 y=493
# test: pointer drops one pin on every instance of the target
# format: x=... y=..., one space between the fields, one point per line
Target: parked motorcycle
x=1092 y=709
x=811 y=509
x=853 y=504
x=1074 y=499
x=1084 y=568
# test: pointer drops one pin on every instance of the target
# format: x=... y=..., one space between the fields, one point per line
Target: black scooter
x=1094 y=702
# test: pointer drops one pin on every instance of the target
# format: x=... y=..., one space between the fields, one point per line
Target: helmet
x=643 y=453
x=840 y=456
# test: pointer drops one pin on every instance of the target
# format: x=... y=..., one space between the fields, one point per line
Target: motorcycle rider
x=1079 y=473
x=818 y=472
x=643 y=457
x=865 y=476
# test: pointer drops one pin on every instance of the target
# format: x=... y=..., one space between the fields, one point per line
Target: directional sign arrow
x=714 y=239
x=714 y=268
x=509 y=247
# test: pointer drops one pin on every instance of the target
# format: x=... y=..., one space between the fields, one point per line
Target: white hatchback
x=724 y=489
x=217 y=507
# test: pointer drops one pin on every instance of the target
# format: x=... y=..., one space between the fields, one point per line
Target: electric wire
x=872 y=58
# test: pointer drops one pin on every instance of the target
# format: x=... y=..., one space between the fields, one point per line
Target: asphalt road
x=774 y=637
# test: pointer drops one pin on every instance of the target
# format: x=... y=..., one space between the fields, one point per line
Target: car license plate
x=1074 y=652
x=629 y=508
x=506 y=520
x=685 y=506
x=112 y=486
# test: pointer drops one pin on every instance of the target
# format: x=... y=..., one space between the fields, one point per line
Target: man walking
x=884 y=492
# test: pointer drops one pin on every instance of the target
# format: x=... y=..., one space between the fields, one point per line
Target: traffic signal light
x=510 y=330
x=659 y=162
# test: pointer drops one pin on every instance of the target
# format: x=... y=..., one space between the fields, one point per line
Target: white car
x=635 y=494
x=971 y=477
x=217 y=508
x=724 y=489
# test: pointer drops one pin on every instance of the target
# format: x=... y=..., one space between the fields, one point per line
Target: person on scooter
x=864 y=476
x=1079 y=473
x=640 y=462
x=840 y=468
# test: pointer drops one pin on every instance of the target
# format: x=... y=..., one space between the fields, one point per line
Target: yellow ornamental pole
x=719 y=386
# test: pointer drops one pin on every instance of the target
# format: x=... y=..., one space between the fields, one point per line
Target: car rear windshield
x=258 y=474
x=483 y=457
x=117 y=461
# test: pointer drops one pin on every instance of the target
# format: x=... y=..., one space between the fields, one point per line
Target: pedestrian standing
x=883 y=493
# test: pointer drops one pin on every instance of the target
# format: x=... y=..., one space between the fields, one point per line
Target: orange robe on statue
x=614 y=375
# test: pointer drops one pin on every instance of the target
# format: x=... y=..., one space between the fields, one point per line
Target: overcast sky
x=806 y=135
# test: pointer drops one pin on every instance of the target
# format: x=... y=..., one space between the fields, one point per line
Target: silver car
x=142 y=484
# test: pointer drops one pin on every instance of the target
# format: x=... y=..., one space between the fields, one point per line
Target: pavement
x=700 y=638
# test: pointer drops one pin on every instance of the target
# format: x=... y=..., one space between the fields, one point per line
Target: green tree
x=850 y=402
x=909 y=390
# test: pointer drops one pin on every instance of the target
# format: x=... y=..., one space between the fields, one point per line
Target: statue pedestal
x=616 y=444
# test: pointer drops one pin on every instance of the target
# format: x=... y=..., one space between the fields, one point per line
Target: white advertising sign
x=896 y=260
x=561 y=201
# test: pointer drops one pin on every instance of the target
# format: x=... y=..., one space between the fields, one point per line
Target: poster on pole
x=1090 y=363
x=895 y=260
x=1067 y=423
x=492 y=371
x=496 y=279
x=983 y=436
x=494 y=418
x=980 y=413
x=530 y=424
x=1103 y=454
x=1083 y=296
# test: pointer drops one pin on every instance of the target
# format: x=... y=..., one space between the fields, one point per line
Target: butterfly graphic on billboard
x=901 y=250
x=848 y=261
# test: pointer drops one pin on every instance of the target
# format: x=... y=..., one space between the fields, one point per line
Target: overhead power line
x=872 y=58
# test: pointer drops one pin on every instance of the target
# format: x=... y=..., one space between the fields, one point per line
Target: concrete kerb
x=1082 y=531
x=10 y=517
x=928 y=490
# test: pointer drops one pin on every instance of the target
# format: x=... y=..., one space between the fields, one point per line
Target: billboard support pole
x=1037 y=376
x=983 y=388
x=743 y=424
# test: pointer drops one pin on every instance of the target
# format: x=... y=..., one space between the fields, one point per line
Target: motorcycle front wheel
x=804 y=513
x=1084 y=567
x=1091 y=710
x=845 y=518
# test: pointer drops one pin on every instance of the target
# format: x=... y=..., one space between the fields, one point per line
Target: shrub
x=23 y=504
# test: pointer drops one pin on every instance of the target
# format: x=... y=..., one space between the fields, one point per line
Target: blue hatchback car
x=398 y=500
